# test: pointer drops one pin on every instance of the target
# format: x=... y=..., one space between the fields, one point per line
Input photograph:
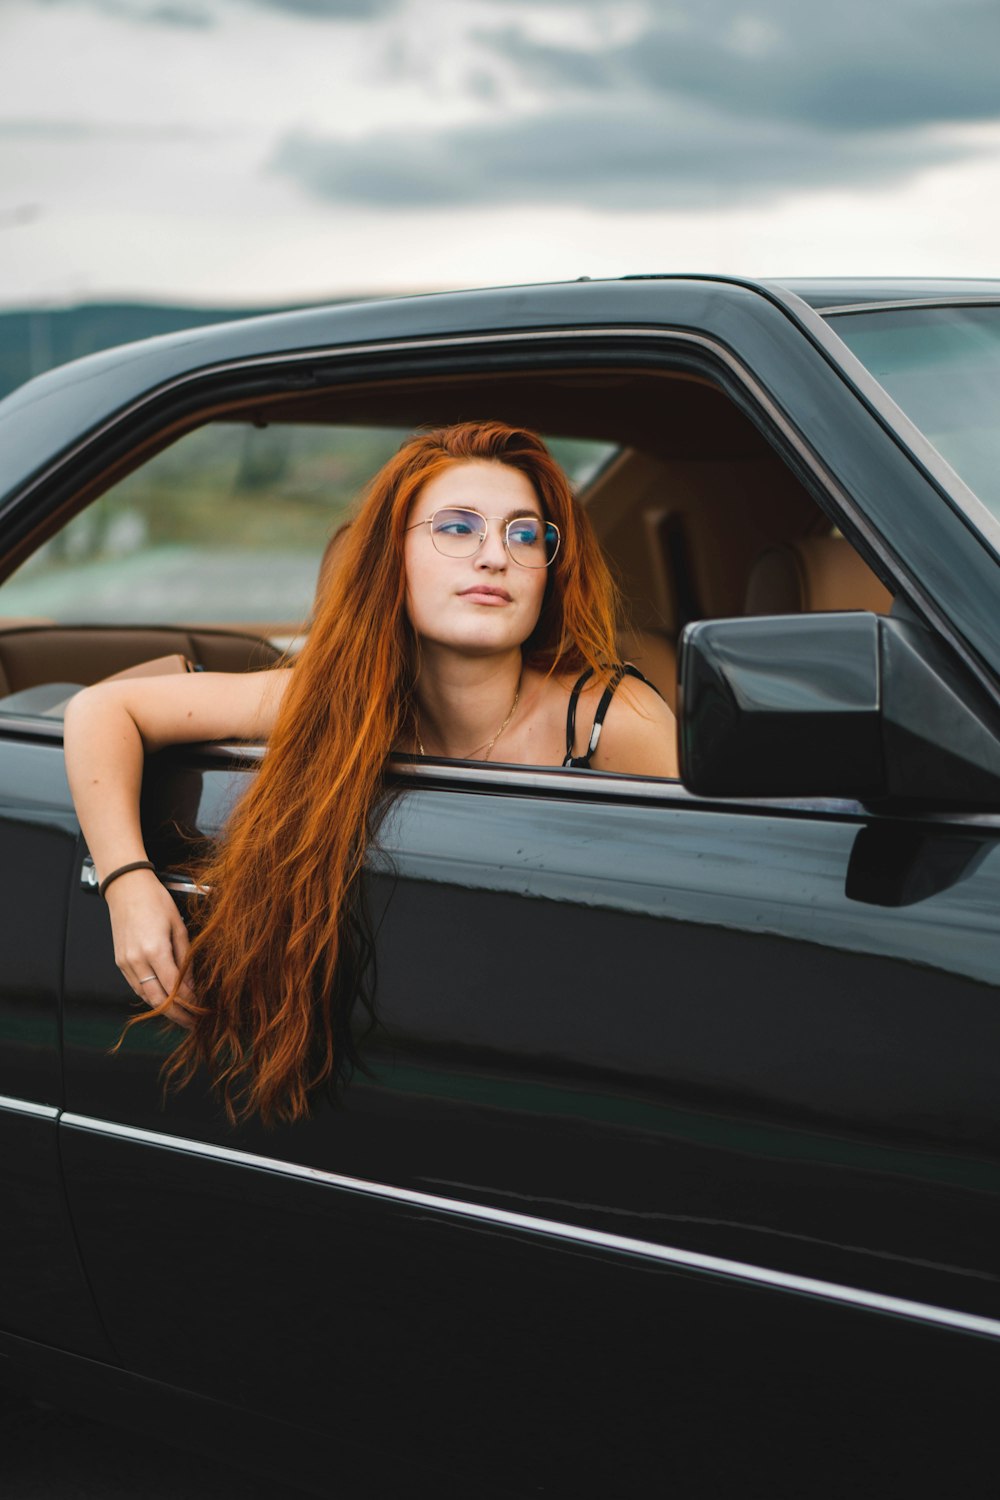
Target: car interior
x=698 y=512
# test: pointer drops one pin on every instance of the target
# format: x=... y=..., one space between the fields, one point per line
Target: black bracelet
x=138 y=864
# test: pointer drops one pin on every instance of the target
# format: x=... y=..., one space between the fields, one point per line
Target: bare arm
x=639 y=734
x=108 y=730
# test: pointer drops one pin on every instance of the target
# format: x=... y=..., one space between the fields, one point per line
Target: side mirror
x=839 y=705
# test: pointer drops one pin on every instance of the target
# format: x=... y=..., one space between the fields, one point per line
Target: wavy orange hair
x=279 y=955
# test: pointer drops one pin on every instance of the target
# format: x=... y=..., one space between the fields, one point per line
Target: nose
x=492 y=555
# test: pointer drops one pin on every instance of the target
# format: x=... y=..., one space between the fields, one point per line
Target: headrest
x=816 y=573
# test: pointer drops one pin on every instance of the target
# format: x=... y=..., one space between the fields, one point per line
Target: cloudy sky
x=235 y=151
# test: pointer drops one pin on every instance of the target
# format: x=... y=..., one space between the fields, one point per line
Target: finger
x=167 y=983
x=151 y=980
x=137 y=973
x=175 y=1012
x=182 y=1000
x=179 y=936
x=155 y=993
x=146 y=984
x=161 y=962
x=181 y=944
x=185 y=994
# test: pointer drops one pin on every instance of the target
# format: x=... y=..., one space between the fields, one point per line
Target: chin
x=484 y=646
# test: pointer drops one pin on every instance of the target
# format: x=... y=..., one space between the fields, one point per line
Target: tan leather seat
x=815 y=573
x=82 y=654
x=656 y=658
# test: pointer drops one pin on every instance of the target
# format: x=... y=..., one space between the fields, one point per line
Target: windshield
x=941 y=365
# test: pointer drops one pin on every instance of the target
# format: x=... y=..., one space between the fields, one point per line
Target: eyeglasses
x=459 y=532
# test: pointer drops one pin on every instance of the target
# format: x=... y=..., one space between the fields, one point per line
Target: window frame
x=186 y=401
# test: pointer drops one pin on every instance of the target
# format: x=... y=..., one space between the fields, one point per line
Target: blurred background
x=167 y=161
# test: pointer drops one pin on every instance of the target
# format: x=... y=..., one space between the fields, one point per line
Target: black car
x=673 y=1164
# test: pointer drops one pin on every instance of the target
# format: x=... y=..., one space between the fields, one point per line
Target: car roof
x=827 y=293
x=50 y=412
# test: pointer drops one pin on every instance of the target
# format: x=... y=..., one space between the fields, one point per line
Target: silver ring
x=147 y=979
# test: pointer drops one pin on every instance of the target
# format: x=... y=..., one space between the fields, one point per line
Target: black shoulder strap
x=574 y=697
x=582 y=762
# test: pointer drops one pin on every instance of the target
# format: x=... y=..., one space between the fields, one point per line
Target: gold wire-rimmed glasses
x=460 y=531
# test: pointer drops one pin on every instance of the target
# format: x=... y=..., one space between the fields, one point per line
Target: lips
x=485 y=593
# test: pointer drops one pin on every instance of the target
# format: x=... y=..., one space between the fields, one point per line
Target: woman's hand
x=151 y=942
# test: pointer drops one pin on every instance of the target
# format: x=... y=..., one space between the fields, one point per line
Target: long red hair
x=276 y=960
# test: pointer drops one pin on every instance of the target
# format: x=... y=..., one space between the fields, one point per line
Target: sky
x=235 y=152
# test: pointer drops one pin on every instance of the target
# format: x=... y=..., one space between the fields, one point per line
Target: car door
x=642 y=1066
x=44 y=1296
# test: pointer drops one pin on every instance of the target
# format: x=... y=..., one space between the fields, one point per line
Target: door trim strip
x=28 y=1107
x=666 y=1255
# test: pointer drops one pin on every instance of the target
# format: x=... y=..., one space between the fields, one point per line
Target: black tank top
x=582 y=762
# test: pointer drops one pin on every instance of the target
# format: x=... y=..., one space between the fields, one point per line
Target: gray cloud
x=201 y=14
x=190 y=14
x=856 y=66
x=607 y=6
x=169 y=14
x=708 y=103
x=73 y=132
x=330 y=10
x=623 y=157
x=572 y=67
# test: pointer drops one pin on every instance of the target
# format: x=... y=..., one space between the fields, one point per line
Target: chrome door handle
x=181 y=885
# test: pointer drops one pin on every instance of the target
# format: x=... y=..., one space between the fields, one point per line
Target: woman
x=469 y=613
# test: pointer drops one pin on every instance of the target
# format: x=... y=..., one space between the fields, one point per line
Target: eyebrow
x=512 y=515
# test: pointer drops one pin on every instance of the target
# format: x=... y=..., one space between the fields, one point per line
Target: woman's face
x=483 y=603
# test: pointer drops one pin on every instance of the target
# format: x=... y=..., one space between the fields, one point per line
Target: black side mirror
x=839 y=705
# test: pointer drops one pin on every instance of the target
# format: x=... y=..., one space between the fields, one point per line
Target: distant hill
x=35 y=339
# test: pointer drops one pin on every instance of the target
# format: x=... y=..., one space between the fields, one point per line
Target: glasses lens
x=531 y=542
x=457 y=533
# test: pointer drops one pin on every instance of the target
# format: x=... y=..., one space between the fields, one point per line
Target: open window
x=208 y=539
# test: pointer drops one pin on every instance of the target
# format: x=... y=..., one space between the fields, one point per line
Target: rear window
x=227 y=526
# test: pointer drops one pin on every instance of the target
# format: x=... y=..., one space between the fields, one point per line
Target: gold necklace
x=492 y=742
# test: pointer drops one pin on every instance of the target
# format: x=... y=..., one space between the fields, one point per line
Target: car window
x=227 y=525
x=941 y=365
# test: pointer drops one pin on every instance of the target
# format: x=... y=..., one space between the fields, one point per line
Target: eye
x=524 y=533
x=456 y=526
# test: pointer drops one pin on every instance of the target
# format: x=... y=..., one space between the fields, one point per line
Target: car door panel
x=43 y=1293
x=424 y=1352
x=818 y=1090
x=633 y=1016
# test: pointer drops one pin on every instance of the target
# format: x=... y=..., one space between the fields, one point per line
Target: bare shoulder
x=193 y=706
x=639 y=736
